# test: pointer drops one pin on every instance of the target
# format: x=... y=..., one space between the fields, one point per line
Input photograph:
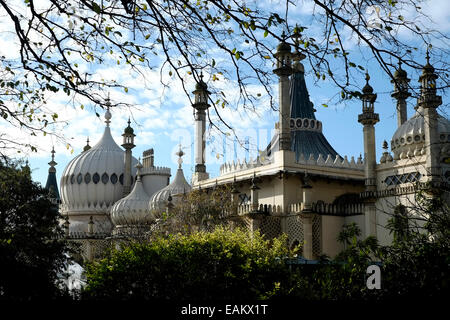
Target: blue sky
x=162 y=117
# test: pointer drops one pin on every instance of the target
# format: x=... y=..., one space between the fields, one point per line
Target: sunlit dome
x=408 y=140
x=133 y=209
x=178 y=186
x=93 y=180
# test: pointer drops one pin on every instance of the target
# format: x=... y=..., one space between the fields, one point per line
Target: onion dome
x=408 y=140
x=133 y=209
x=93 y=180
x=178 y=186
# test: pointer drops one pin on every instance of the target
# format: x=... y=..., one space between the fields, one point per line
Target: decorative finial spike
x=367 y=76
x=385 y=145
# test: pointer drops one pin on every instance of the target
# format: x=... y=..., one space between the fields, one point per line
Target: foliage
x=222 y=264
x=61 y=42
x=199 y=210
x=31 y=255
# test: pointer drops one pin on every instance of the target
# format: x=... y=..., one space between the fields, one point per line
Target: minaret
x=283 y=71
x=200 y=106
x=52 y=185
x=400 y=93
x=128 y=144
x=368 y=118
x=429 y=101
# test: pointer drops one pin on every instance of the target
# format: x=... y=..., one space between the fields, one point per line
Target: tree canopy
x=33 y=254
x=59 y=45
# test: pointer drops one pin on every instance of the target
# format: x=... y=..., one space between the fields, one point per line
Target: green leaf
x=266 y=33
x=96 y=7
x=324 y=105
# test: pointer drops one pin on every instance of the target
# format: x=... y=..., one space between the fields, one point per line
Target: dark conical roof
x=52 y=186
x=303 y=140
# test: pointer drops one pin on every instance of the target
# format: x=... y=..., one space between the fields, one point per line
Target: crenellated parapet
x=155 y=171
x=334 y=162
x=244 y=165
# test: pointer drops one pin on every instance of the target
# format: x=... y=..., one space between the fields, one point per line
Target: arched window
x=96 y=178
x=87 y=178
x=121 y=179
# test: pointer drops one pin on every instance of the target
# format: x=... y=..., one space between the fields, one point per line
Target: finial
x=367 y=77
x=52 y=163
x=87 y=146
x=428 y=55
x=283 y=35
x=180 y=154
x=139 y=166
x=129 y=122
x=385 y=145
x=53 y=153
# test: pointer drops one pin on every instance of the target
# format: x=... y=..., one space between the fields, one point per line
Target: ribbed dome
x=133 y=209
x=179 y=185
x=93 y=180
x=409 y=138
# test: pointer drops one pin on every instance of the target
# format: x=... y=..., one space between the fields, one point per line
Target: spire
x=305 y=130
x=297 y=56
x=138 y=172
x=108 y=114
x=52 y=185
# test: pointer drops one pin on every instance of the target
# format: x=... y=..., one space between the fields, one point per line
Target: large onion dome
x=132 y=210
x=179 y=186
x=408 y=140
x=93 y=181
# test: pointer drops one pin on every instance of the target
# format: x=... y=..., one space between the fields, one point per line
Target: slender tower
x=200 y=106
x=52 y=185
x=400 y=93
x=428 y=101
x=128 y=144
x=283 y=71
x=368 y=118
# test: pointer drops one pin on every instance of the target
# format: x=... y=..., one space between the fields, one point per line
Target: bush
x=222 y=264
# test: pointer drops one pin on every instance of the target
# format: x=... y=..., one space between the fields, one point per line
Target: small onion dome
x=87 y=146
x=201 y=85
x=133 y=209
x=93 y=180
x=283 y=47
x=428 y=68
x=178 y=186
x=400 y=73
x=129 y=129
x=410 y=136
x=367 y=88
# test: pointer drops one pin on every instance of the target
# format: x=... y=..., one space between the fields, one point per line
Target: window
x=105 y=178
x=96 y=178
x=79 y=178
x=114 y=178
x=87 y=178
